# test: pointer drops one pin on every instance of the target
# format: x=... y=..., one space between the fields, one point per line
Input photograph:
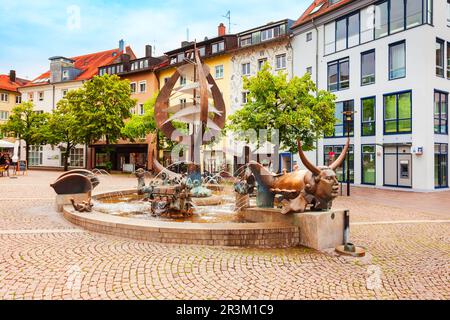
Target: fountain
x=290 y=209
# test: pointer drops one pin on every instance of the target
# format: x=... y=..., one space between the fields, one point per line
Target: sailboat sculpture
x=205 y=111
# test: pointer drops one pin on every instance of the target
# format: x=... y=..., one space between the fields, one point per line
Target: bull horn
x=336 y=164
x=305 y=161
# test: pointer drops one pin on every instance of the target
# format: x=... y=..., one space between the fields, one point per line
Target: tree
x=141 y=125
x=100 y=106
x=27 y=125
x=62 y=127
x=296 y=108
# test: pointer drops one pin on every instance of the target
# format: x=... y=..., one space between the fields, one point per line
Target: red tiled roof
x=88 y=64
x=8 y=85
x=320 y=8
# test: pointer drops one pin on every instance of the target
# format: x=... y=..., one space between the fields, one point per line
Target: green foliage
x=141 y=125
x=295 y=107
x=27 y=125
x=101 y=106
x=63 y=127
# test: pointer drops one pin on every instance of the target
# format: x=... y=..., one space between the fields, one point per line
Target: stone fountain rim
x=251 y=234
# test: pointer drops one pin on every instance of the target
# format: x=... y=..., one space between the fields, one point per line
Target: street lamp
x=348 y=118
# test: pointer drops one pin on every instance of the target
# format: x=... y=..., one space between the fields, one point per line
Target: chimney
x=121 y=46
x=222 y=30
x=12 y=75
x=148 y=51
x=185 y=43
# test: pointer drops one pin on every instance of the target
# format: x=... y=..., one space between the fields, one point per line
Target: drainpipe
x=53 y=100
x=317 y=80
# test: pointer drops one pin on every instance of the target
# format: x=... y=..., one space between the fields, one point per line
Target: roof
x=6 y=84
x=88 y=64
x=317 y=9
x=190 y=46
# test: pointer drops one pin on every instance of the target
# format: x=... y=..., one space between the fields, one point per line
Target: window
x=281 y=61
x=246 y=69
x=244 y=97
x=183 y=103
x=4 y=115
x=76 y=157
x=4 y=97
x=65 y=74
x=256 y=37
x=173 y=60
x=381 y=20
x=413 y=13
x=440 y=112
x=308 y=36
x=39 y=111
x=266 y=34
x=330 y=38
x=367 y=27
x=219 y=72
x=448 y=59
x=141 y=109
x=397 y=113
x=428 y=12
x=142 y=86
x=368 y=116
x=35 y=156
x=448 y=13
x=180 y=57
x=133 y=110
x=202 y=51
x=339 y=75
x=341 y=34
x=133 y=87
x=309 y=70
x=41 y=96
x=218 y=47
x=261 y=63
x=64 y=93
x=397 y=16
x=441 y=165
x=368 y=164
x=341 y=172
x=368 y=68
x=246 y=41
x=30 y=96
x=166 y=80
x=342 y=125
x=440 y=65
x=353 y=30
x=18 y=99
x=397 y=60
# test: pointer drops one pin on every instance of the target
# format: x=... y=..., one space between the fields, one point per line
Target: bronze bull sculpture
x=316 y=187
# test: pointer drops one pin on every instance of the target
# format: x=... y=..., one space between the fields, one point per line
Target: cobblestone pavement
x=44 y=257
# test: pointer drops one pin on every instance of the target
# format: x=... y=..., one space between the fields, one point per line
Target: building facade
x=271 y=44
x=144 y=85
x=9 y=98
x=388 y=61
x=45 y=91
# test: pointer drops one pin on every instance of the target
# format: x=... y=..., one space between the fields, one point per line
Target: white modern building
x=45 y=91
x=388 y=61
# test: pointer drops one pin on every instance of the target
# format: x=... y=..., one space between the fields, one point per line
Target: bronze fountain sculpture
x=316 y=187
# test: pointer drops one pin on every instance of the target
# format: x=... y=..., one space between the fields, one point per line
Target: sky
x=34 y=30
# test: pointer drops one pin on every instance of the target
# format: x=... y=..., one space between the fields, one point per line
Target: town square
x=294 y=155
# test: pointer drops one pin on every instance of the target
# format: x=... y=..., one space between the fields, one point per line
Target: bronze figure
x=316 y=187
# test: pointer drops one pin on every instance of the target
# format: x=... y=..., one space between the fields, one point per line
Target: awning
x=6 y=145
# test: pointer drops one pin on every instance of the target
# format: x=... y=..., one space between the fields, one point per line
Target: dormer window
x=173 y=60
x=65 y=74
x=266 y=34
x=218 y=47
x=333 y=2
x=180 y=57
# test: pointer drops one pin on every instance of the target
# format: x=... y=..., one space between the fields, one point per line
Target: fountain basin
x=248 y=234
x=258 y=227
